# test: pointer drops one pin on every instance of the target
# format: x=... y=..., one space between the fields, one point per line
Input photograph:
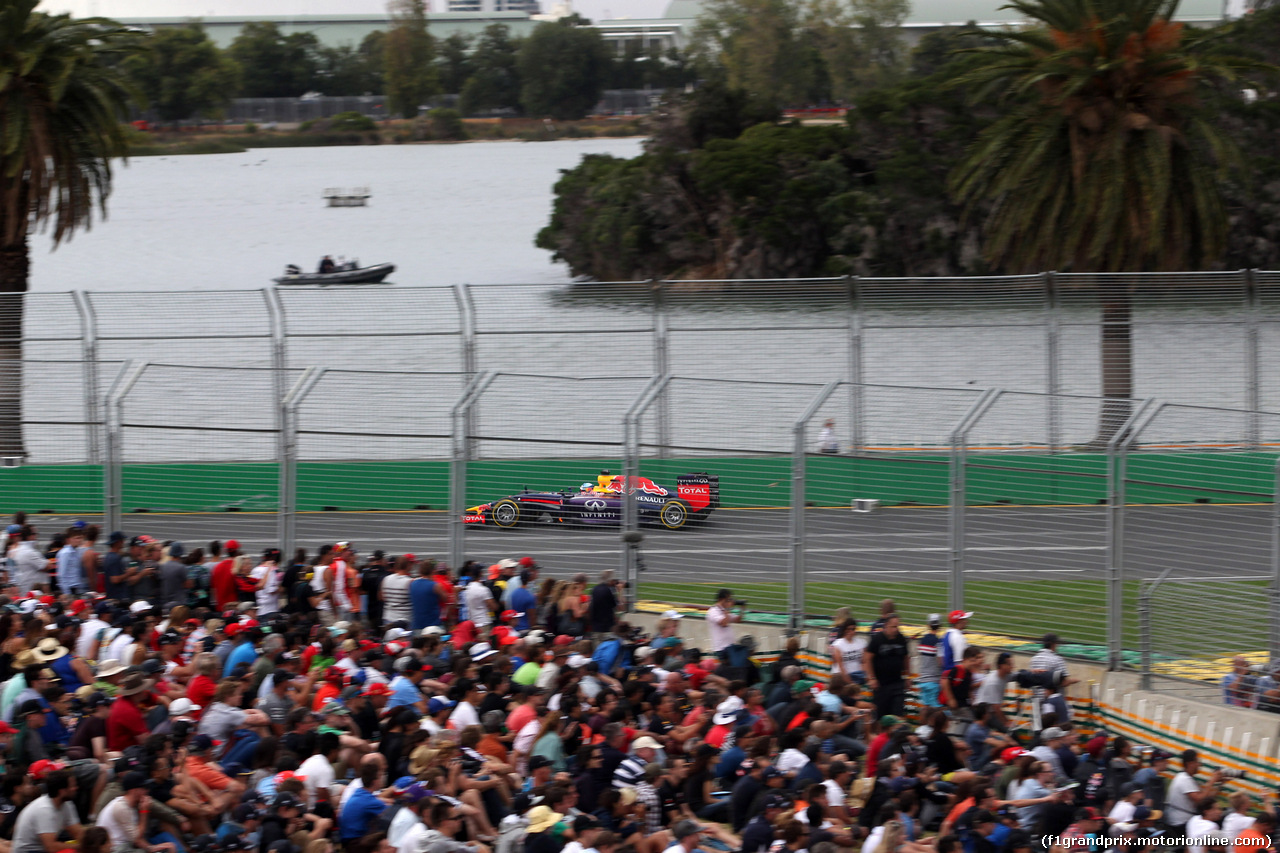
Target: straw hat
x=24 y=659
x=110 y=667
x=49 y=649
x=542 y=818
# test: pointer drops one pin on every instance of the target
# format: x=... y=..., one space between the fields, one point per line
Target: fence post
x=1273 y=644
x=1117 y=464
x=89 y=356
x=630 y=529
x=112 y=476
x=279 y=361
x=856 y=391
x=467 y=317
x=795 y=560
x=1144 y=631
x=1252 y=370
x=460 y=424
x=1053 y=411
x=956 y=511
x=661 y=366
x=287 y=509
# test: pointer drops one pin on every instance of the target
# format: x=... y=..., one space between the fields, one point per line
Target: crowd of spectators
x=159 y=698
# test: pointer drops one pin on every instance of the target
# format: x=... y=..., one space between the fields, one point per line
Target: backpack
x=608 y=655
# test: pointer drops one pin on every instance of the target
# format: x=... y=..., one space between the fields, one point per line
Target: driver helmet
x=586 y=487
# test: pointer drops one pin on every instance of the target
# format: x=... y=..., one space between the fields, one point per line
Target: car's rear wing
x=701 y=490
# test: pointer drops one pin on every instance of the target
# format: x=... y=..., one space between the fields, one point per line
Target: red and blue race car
x=694 y=497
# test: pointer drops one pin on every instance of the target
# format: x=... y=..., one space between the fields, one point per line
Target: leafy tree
x=759 y=47
x=563 y=68
x=1105 y=159
x=454 y=62
x=275 y=65
x=494 y=83
x=859 y=43
x=184 y=74
x=345 y=70
x=63 y=95
x=410 y=58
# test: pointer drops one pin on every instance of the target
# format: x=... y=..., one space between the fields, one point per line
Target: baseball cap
x=480 y=651
x=1012 y=753
x=584 y=822
x=377 y=688
x=335 y=708
x=645 y=742
x=140 y=607
x=577 y=661
x=132 y=780
x=685 y=828
x=243 y=812
x=417 y=792
x=934 y=620
x=956 y=615
x=43 y=767
x=673 y=614
x=776 y=801
x=181 y=706
x=888 y=721
x=6 y=729
x=436 y=705
x=1147 y=813
x=231 y=545
x=1052 y=733
x=286 y=799
x=772 y=772
x=538 y=761
x=201 y=743
x=804 y=685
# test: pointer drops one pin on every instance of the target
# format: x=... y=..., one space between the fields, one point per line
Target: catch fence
x=1155 y=547
x=1058 y=452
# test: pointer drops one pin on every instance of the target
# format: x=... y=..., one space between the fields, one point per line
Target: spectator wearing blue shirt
x=363 y=805
x=243 y=652
x=733 y=756
x=70 y=570
x=523 y=601
x=405 y=690
x=424 y=598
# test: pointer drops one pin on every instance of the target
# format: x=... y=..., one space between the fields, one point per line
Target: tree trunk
x=14 y=266
x=1117 y=358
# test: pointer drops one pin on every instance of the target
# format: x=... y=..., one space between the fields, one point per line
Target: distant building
x=486 y=6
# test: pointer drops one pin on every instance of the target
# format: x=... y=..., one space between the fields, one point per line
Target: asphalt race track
x=752 y=545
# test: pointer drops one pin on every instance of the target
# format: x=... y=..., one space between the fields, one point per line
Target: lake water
x=441 y=213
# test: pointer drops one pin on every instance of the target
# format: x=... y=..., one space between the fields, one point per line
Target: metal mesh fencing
x=370 y=458
x=1197 y=511
x=1032 y=537
x=406 y=328
x=525 y=445
x=192 y=450
x=717 y=492
x=879 y=519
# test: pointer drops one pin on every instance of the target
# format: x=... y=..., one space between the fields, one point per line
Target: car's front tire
x=505 y=513
x=673 y=515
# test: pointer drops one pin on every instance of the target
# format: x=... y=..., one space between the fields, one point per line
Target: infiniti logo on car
x=595 y=504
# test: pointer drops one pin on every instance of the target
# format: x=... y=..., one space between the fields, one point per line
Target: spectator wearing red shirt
x=126 y=726
x=223 y=580
x=201 y=688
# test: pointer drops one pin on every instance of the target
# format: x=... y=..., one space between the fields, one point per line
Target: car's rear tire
x=505 y=513
x=673 y=515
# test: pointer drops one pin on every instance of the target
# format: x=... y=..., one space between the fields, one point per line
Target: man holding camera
x=721 y=618
x=1186 y=795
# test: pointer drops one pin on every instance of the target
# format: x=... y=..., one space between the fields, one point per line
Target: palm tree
x=62 y=99
x=1106 y=159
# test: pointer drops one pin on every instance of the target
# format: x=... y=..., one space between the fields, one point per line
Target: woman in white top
x=846 y=652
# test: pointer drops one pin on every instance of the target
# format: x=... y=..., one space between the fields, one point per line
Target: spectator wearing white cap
x=668 y=627
x=954 y=641
x=644 y=750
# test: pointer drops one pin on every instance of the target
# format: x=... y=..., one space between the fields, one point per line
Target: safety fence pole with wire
x=1201 y=539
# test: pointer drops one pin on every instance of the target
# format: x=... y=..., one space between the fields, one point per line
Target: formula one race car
x=694 y=497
